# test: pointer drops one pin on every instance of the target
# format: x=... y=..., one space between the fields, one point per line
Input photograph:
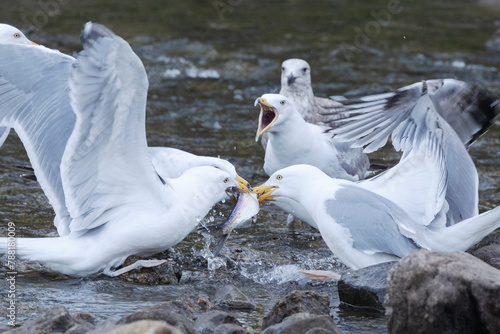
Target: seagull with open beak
x=292 y=141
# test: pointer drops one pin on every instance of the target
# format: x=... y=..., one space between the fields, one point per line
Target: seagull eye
x=282 y=102
x=17 y=35
x=283 y=69
x=279 y=177
x=304 y=70
x=215 y=166
x=226 y=180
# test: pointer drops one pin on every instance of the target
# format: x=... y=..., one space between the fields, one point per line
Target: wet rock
x=229 y=297
x=230 y=329
x=297 y=302
x=140 y=327
x=207 y=322
x=489 y=254
x=197 y=303
x=433 y=292
x=301 y=323
x=82 y=328
x=86 y=317
x=488 y=250
x=55 y=319
x=365 y=287
x=174 y=313
x=163 y=274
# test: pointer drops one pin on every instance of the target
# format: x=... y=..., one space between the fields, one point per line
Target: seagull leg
x=136 y=265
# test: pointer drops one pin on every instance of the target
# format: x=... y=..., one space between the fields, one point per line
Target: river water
x=207 y=62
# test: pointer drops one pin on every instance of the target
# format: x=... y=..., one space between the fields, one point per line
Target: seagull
x=34 y=86
x=291 y=141
x=361 y=227
x=404 y=208
x=117 y=203
x=296 y=86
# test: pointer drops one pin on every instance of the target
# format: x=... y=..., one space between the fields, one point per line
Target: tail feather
x=463 y=235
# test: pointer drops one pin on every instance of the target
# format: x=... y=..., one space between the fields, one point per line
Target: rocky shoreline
x=424 y=292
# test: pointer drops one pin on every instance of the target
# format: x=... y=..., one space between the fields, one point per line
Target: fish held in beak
x=247 y=206
x=264 y=193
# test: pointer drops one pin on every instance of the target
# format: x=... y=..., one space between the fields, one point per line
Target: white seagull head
x=275 y=109
x=295 y=74
x=290 y=182
x=12 y=35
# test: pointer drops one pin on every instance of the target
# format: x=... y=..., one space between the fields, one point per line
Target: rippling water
x=205 y=71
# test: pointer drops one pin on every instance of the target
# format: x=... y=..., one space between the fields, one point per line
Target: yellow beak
x=34 y=43
x=242 y=184
x=264 y=192
x=265 y=107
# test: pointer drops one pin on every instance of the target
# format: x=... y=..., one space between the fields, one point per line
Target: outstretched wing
x=419 y=182
x=34 y=101
x=434 y=162
x=106 y=170
x=469 y=110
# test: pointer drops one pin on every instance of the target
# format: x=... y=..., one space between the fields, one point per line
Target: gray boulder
x=432 y=292
x=365 y=287
x=208 y=321
x=174 y=313
x=230 y=329
x=229 y=297
x=297 y=302
x=302 y=323
x=139 y=327
x=55 y=319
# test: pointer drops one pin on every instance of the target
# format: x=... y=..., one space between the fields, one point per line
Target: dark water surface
x=205 y=69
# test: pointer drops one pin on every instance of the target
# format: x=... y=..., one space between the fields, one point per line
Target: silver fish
x=247 y=206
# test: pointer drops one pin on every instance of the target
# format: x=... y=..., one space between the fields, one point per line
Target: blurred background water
x=207 y=62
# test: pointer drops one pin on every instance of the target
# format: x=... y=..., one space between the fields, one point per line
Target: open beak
x=268 y=115
x=264 y=192
x=243 y=184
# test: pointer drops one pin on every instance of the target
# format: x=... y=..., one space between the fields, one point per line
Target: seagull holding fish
x=116 y=202
x=406 y=207
x=34 y=86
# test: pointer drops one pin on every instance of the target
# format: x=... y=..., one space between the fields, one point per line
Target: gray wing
x=418 y=183
x=419 y=124
x=469 y=110
x=34 y=101
x=106 y=170
x=353 y=160
x=4 y=133
x=372 y=221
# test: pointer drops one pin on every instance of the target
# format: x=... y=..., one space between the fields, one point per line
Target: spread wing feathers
x=4 y=133
x=419 y=182
x=370 y=120
x=106 y=169
x=34 y=101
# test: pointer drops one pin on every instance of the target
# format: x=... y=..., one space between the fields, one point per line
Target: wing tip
x=94 y=31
